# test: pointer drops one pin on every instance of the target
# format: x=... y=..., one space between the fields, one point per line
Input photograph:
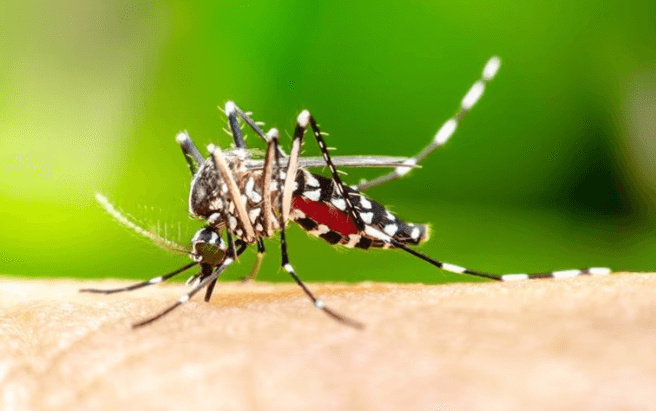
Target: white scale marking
x=406 y=167
x=216 y=204
x=253 y=214
x=472 y=96
x=364 y=203
x=445 y=131
x=214 y=218
x=303 y=118
x=339 y=203
x=367 y=217
x=255 y=196
x=453 y=268
x=156 y=280
x=599 y=271
x=514 y=277
x=319 y=304
x=565 y=273
x=230 y=107
x=232 y=221
x=415 y=233
x=310 y=181
x=249 y=186
x=184 y=299
x=376 y=234
x=491 y=68
x=289 y=268
x=390 y=229
x=313 y=195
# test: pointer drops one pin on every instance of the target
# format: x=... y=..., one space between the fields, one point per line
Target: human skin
x=582 y=343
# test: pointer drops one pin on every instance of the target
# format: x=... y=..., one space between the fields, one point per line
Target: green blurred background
x=553 y=169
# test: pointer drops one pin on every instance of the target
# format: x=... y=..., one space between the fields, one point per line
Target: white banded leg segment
x=303 y=119
x=233 y=191
x=566 y=273
x=599 y=271
x=447 y=129
x=155 y=280
x=453 y=268
x=186 y=297
x=503 y=277
x=514 y=277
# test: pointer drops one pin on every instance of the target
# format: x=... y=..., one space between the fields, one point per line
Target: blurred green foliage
x=553 y=169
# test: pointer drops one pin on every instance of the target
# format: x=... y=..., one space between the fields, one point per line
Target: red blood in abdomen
x=324 y=214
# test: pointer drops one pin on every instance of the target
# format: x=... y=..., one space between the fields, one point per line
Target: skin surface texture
x=581 y=343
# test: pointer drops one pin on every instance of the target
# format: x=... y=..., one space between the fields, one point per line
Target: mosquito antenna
x=121 y=218
x=155 y=280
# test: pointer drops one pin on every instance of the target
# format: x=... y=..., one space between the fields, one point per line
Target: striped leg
x=233 y=191
x=186 y=297
x=344 y=203
x=204 y=282
x=318 y=303
x=502 y=277
x=447 y=129
x=232 y=254
x=155 y=280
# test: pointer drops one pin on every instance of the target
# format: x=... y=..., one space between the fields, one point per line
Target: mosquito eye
x=210 y=254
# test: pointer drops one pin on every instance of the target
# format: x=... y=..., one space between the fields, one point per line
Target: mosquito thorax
x=205 y=196
x=208 y=193
x=208 y=247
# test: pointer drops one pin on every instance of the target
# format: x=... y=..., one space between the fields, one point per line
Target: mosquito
x=249 y=200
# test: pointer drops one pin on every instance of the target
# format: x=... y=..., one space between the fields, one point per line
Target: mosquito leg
x=258 y=262
x=447 y=129
x=186 y=297
x=341 y=201
x=155 y=280
x=205 y=282
x=267 y=207
x=234 y=194
x=231 y=254
x=191 y=153
x=319 y=304
x=503 y=277
x=231 y=112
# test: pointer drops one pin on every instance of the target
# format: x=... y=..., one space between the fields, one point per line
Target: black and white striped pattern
x=250 y=199
x=506 y=277
x=324 y=190
x=446 y=131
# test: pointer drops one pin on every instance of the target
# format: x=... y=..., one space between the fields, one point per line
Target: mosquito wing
x=342 y=161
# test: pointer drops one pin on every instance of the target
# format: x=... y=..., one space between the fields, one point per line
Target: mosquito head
x=208 y=247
